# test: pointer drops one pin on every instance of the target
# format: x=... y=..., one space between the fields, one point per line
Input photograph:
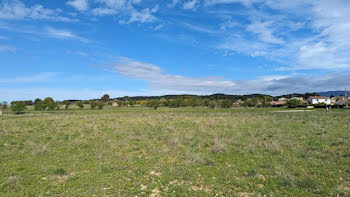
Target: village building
x=297 y=98
x=282 y=99
x=279 y=103
x=319 y=100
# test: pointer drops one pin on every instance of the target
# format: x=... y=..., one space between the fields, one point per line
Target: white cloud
x=199 y=28
x=272 y=84
x=244 y=2
x=265 y=32
x=15 y=9
x=173 y=3
x=103 y=11
x=143 y=16
x=125 y=10
x=80 y=5
x=300 y=34
x=190 y=5
x=158 y=27
x=158 y=79
x=64 y=34
x=5 y=48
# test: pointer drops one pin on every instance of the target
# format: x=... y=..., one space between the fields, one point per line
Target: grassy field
x=175 y=152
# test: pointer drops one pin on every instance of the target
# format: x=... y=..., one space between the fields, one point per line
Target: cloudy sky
x=80 y=49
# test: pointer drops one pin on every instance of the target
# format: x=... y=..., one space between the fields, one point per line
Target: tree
x=125 y=98
x=132 y=103
x=153 y=104
x=293 y=103
x=100 y=105
x=66 y=104
x=18 y=108
x=37 y=101
x=212 y=104
x=51 y=105
x=40 y=106
x=80 y=104
x=227 y=103
x=206 y=102
x=48 y=100
x=93 y=104
x=248 y=103
x=105 y=98
x=4 y=105
x=195 y=102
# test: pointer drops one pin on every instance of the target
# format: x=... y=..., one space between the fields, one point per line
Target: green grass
x=175 y=152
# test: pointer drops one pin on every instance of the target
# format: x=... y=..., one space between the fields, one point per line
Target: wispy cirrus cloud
x=63 y=34
x=6 y=48
x=41 y=77
x=15 y=10
x=303 y=35
x=244 y=2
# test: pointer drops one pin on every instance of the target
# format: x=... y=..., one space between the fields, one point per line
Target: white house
x=297 y=98
x=282 y=99
x=319 y=99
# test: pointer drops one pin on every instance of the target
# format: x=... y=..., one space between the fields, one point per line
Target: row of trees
x=182 y=101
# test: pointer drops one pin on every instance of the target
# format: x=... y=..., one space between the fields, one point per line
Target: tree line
x=172 y=101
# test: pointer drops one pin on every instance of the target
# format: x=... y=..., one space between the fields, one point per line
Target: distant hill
x=334 y=93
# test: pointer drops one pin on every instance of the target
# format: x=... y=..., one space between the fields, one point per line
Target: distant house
x=282 y=99
x=279 y=103
x=343 y=102
x=297 y=98
x=318 y=100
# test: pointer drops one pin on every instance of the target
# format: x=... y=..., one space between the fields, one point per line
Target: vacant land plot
x=179 y=152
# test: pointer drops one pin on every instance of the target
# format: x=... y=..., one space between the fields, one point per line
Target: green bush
x=153 y=104
x=93 y=104
x=80 y=105
x=4 y=105
x=100 y=105
x=212 y=104
x=66 y=104
x=320 y=105
x=293 y=103
x=227 y=103
x=40 y=106
x=51 y=105
x=18 y=108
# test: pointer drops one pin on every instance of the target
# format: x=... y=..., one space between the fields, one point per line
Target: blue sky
x=81 y=49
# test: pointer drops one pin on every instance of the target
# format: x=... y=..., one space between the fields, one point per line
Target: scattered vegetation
x=93 y=105
x=80 y=104
x=18 y=108
x=175 y=152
